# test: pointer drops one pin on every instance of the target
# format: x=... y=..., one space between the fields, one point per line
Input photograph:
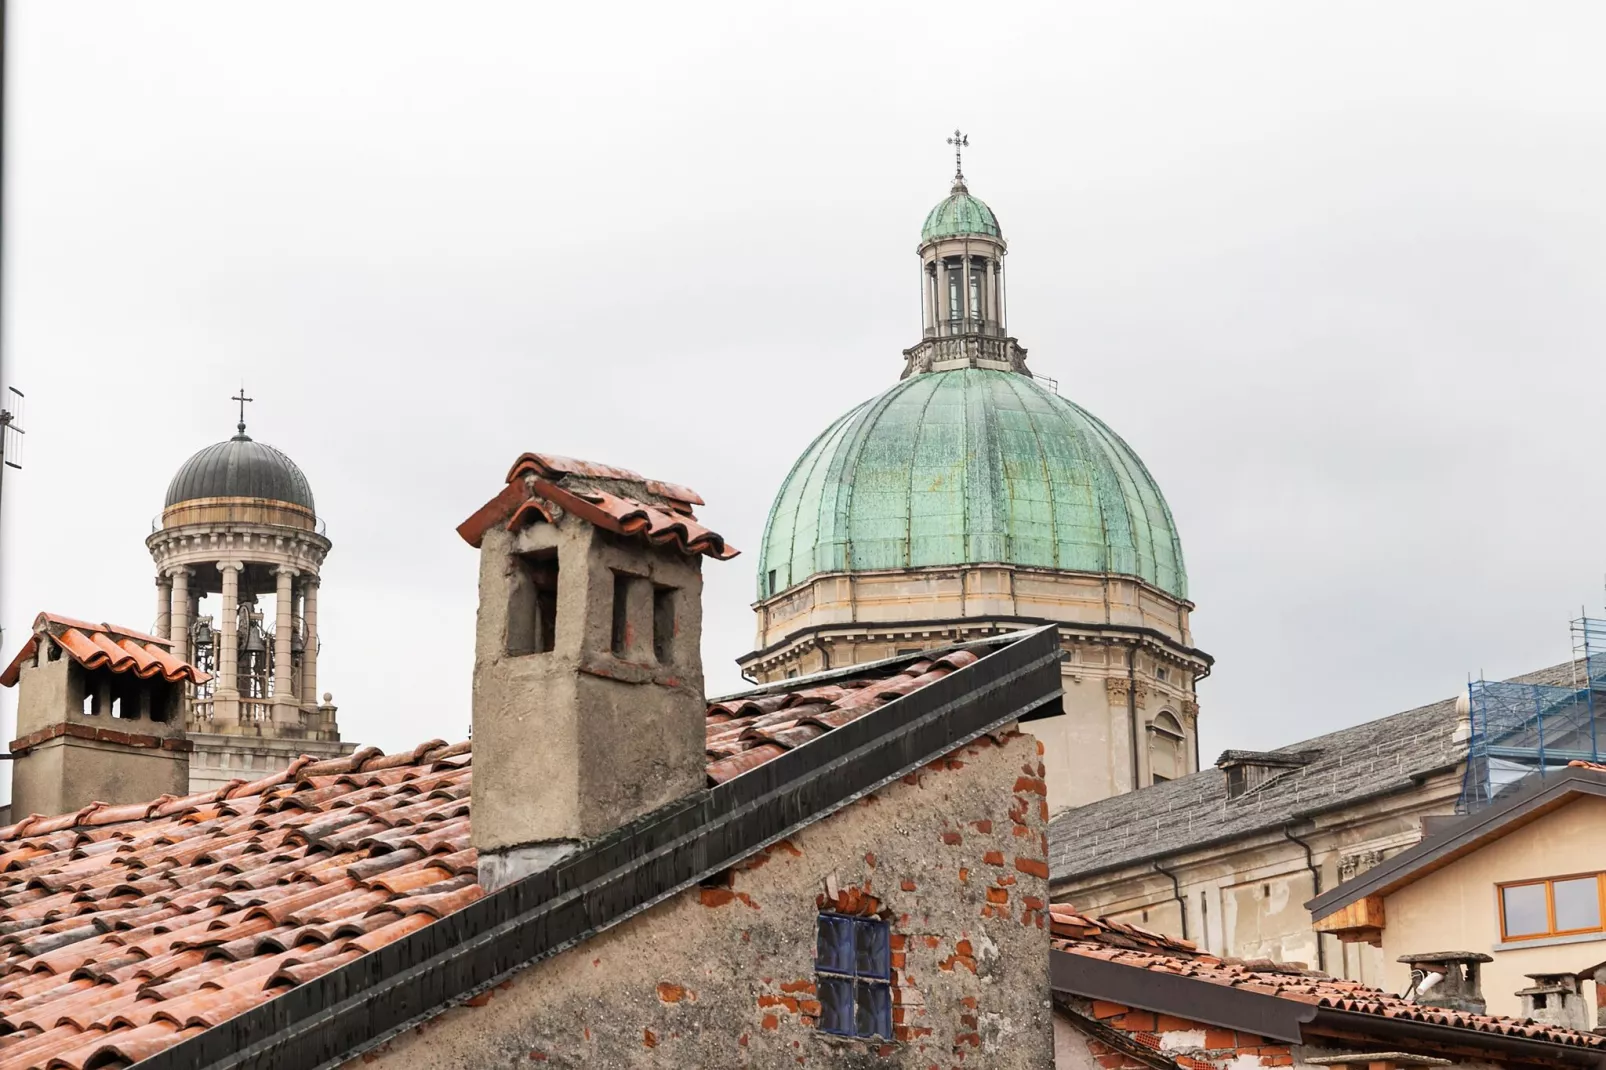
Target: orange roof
x=104 y=646
x=1132 y=945
x=600 y=494
x=125 y=929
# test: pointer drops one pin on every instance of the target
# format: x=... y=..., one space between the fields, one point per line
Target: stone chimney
x=1555 y=999
x=100 y=717
x=588 y=683
x=1449 y=979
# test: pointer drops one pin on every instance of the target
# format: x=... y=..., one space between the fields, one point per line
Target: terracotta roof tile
x=1132 y=945
x=125 y=928
x=97 y=646
x=615 y=499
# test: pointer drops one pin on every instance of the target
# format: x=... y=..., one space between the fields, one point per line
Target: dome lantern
x=962 y=249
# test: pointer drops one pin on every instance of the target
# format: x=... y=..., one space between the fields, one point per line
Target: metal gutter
x=1315 y=887
x=350 y=1010
x=1176 y=891
x=1184 y=997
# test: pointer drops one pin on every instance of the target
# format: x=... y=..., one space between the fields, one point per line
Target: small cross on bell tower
x=242 y=399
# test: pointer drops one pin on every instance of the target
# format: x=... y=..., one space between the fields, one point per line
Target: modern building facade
x=239 y=522
x=971 y=499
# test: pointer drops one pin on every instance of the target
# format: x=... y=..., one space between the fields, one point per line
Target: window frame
x=854 y=978
x=1549 y=883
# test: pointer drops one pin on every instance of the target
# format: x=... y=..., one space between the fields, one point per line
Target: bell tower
x=238 y=551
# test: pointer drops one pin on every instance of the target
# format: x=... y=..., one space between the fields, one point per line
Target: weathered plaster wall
x=1245 y=898
x=1457 y=908
x=723 y=976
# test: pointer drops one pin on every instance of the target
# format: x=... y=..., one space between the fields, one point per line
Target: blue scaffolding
x=1521 y=729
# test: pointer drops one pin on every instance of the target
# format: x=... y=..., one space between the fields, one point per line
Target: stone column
x=309 y=653
x=283 y=630
x=179 y=613
x=1003 y=297
x=965 y=311
x=164 y=606
x=944 y=312
x=992 y=290
x=226 y=704
x=927 y=312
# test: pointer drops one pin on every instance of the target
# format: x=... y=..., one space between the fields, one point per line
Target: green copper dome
x=970 y=466
x=960 y=214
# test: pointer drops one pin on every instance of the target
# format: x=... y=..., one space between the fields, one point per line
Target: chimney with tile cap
x=1555 y=999
x=100 y=717
x=588 y=682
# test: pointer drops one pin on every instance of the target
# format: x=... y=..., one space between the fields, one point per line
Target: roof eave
x=1433 y=852
x=1277 y=1017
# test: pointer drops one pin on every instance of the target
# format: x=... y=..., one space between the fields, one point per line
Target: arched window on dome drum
x=975 y=295
x=1167 y=748
x=955 y=294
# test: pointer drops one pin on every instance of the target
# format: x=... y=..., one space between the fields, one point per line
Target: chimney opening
x=154 y=706
x=89 y=704
x=663 y=624
x=117 y=707
x=621 y=613
x=52 y=652
x=533 y=604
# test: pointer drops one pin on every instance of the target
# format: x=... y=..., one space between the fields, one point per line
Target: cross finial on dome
x=960 y=142
x=242 y=399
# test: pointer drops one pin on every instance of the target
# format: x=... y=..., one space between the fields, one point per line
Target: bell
x=255 y=641
x=298 y=641
x=203 y=632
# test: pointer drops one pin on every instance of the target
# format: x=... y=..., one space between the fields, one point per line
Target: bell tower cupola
x=239 y=549
x=964 y=314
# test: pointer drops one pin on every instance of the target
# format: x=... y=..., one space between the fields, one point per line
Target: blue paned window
x=853 y=961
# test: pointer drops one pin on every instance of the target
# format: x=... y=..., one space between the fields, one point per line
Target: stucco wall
x=723 y=975
x=1456 y=908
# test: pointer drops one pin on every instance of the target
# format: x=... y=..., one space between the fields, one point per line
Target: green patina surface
x=959 y=214
x=970 y=467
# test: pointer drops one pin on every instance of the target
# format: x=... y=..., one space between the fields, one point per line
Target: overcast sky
x=1334 y=270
